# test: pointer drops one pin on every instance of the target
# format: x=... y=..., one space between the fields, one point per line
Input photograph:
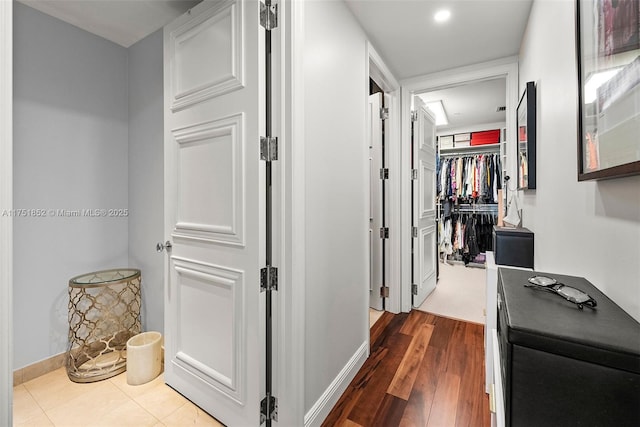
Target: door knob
x=162 y=246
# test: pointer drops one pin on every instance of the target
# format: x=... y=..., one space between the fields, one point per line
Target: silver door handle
x=162 y=246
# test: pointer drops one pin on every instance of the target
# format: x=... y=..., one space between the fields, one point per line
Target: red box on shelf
x=485 y=137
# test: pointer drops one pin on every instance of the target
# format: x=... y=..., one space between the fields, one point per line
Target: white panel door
x=213 y=213
x=375 y=201
x=424 y=204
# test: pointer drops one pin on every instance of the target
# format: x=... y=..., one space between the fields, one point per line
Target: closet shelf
x=470 y=150
x=474 y=208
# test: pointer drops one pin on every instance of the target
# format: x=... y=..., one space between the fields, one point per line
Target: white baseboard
x=329 y=398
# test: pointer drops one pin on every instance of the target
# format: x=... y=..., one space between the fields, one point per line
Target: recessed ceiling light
x=442 y=15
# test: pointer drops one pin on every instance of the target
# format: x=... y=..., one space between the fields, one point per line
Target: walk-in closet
x=471 y=163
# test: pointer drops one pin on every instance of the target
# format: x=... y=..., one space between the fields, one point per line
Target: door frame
x=501 y=68
x=289 y=212
x=375 y=202
x=6 y=202
x=380 y=73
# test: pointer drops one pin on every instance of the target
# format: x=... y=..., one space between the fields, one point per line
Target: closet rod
x=470 y=205
x=471 y=208
x=470 y=153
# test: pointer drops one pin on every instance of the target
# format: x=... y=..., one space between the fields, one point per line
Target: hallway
x=424 y=370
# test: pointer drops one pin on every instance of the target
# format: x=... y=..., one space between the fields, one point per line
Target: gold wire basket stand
x=104 y=312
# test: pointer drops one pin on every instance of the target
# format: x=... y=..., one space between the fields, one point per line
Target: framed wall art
x=526 y=121
x=608 y=59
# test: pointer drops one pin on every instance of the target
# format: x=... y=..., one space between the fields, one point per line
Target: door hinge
x=414 y=116
x=268 y=148
x=269 y=409
x=384 y=173
x=384 y=292
x=269 y=16
x=414 y=231
x=414 y=289
x=384 y=113
x=384 y=232
x=268 y=279
x=414 y=173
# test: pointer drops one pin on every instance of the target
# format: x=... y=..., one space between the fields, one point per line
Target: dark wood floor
x=424 y=370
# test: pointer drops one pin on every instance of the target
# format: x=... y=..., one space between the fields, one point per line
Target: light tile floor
x=54 y=400
x=374 y=315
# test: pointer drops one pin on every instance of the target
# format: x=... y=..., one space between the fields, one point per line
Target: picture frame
x=526 y=144
x=608 y=65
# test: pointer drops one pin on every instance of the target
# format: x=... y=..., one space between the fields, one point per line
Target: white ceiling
x=403 y=32
x=471 y=104
x=122 y=21
x=412 y=44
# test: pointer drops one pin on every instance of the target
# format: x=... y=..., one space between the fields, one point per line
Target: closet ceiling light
x=442 y=15
x=437 y=109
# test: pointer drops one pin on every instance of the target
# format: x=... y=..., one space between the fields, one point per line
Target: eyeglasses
x=574 y=295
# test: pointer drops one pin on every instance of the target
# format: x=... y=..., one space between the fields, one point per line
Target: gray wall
x=146 y=173
x=336 y=167
x=589 y=229
x=70 y=152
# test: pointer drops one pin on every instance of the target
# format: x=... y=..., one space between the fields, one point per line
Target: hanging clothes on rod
x=473 y=178
x=466 y=235
x=467 y=193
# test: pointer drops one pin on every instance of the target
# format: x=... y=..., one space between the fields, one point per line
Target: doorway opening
x=378 y=175
x=384 y=189
x=469 y=131
x=466 y=86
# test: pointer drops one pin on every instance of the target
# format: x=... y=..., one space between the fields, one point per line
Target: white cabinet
x=490 y=322
x=493 y=378
x=496 y=395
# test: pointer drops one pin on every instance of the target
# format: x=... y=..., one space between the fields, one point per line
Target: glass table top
x=104 y=277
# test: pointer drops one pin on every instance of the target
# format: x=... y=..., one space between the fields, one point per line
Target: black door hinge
x=269 y=16
x=268 y=279
x=269 y=148
x=269 y=409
